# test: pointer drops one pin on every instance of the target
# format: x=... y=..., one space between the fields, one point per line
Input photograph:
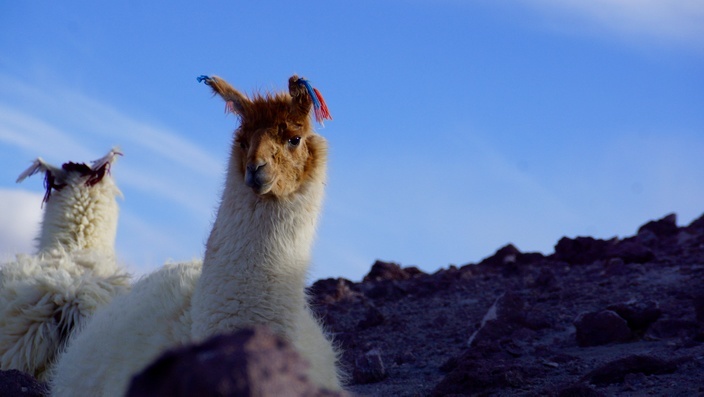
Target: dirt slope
x=595 y=318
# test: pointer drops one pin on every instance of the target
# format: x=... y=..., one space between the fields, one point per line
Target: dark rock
x=369 y=368
x=413 y=271
x=546 y=280
x=615 y=371
x=636 y=381
x=503 y=318
x=331 y=290
x=386 y=271
x=387 y=289
x=406 y=357
x=673 y=328
x=631 y=252
x=697 y=225
x=449 y=365
x=510 y=256
x=472 y=375
x=616 y=267
x=647 y=237
x=664 y=227
x=17 y=383
x=601 y=328
x=582 y=250
x=439 y=281
x=372 y=318
x=249 y=362
x=638 y=315
x=537 y=319
x=699 y=307
x=503 y=256
x=578 y=391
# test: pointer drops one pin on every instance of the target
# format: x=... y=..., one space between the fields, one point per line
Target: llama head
x=75 y=175
x=275 y=151
x=80 y=208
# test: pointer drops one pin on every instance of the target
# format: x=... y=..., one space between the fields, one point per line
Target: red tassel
x=320 y=108
x=322 y=112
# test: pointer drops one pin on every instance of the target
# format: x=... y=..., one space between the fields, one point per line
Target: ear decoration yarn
x=229 y=105
x=320 y=108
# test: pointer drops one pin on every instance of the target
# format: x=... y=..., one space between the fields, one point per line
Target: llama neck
x=78 y=217
x=256 y=259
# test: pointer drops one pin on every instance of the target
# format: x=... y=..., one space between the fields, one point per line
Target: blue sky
x=459 y=126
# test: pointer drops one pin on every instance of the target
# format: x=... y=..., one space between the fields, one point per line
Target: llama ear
x=107 y=160
x=304 y=96
x=53 y=177
x=235 y=100
x=39 y=165
x=302 y=102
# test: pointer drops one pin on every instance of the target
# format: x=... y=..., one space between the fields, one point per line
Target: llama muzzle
x=257 y=178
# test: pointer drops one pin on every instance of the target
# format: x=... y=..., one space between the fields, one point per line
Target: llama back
x=128 y=334
x=44 y=299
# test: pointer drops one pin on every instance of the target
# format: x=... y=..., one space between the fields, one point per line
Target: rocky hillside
x=595 y=318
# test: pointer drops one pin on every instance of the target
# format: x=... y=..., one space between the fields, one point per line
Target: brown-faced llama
x=255 y=264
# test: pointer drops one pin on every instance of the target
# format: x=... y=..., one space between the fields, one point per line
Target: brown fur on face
x=275 y=148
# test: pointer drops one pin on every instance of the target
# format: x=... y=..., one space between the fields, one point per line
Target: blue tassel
x=311 y=93
x=320 y=108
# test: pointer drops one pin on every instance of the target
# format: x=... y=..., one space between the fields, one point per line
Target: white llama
x=255 y=262
x=47 y=296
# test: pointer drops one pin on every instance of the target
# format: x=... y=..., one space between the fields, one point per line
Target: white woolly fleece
x=43 y=299
x=128 y=334
x=80 y=217
x=253 y=272
x=47 y=297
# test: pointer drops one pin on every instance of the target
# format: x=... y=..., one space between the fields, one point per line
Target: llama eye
x=243 y=145
x=294 y=141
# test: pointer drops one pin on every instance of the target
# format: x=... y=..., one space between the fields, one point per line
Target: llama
x=47 y=296
x=255 y=262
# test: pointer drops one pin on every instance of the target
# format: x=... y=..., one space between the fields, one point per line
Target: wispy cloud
x=681 y=20
x=44 y=130
x=22 y=130
x=63 y=105
x=108 y=121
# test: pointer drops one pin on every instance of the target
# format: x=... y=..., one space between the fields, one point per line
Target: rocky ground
x=595 y=318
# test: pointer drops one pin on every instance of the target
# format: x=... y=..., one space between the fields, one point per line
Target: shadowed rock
x=601 y=328
x=249 y=362
x=16 y=383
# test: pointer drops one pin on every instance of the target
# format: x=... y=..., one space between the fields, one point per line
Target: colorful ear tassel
x=229 y=105
x=320 y=108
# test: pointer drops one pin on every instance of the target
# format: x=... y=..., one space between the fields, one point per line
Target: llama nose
x=255 y=177
x=254 y=167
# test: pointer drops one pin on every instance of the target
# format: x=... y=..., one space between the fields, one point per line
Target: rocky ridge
x=594 y=318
